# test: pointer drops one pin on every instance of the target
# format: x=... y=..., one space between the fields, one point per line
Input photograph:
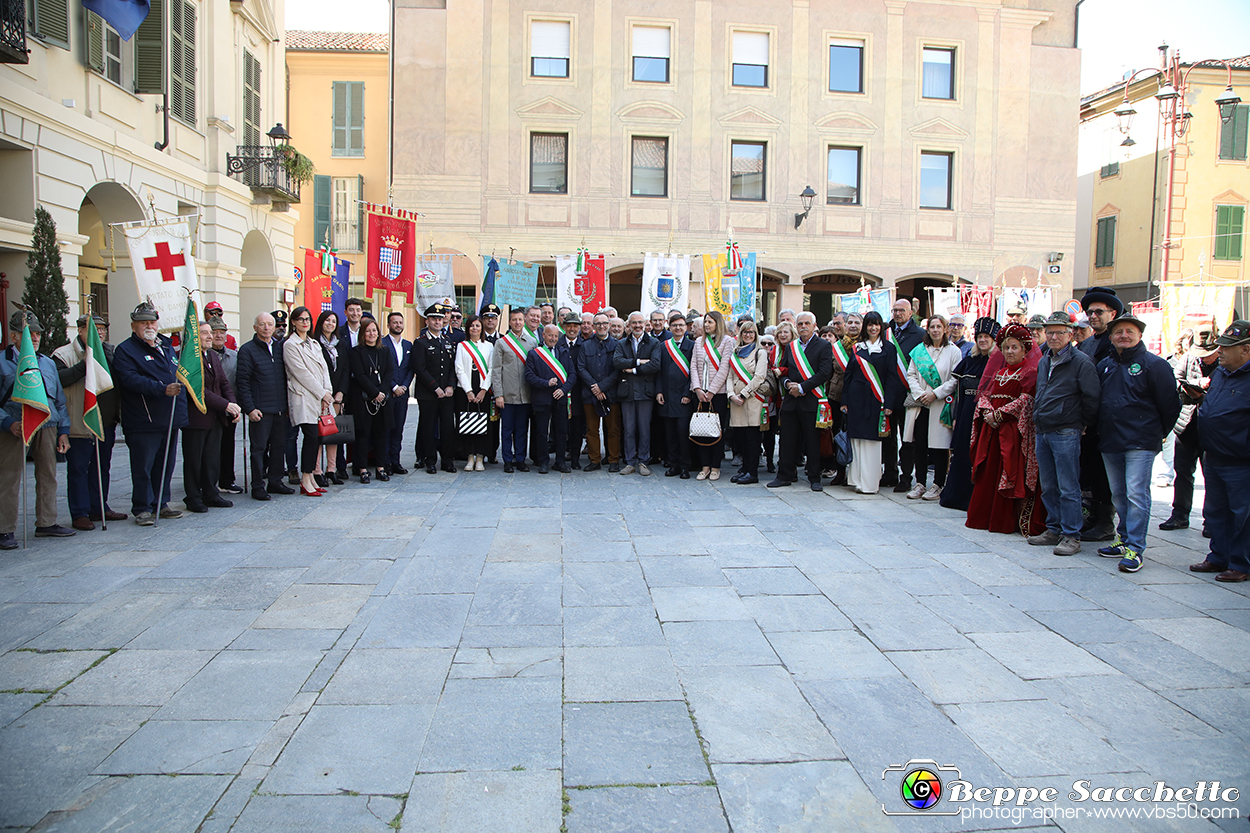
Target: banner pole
x=246 y=419
x=160 y=487
x=24 y=506
x=99 y=474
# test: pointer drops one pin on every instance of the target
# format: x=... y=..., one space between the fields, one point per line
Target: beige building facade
x=938 y=137
x=1123 y=190
x=87 y=132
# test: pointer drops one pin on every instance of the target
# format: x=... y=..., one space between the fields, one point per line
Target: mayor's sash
x=824 y=414
x=928 y=371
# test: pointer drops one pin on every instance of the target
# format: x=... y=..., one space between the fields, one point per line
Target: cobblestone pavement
x=490 y=652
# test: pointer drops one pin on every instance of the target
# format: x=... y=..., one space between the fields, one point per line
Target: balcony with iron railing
x=13 y=32
x=265 y=170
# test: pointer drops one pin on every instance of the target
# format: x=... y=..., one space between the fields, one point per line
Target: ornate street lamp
x=806 y=198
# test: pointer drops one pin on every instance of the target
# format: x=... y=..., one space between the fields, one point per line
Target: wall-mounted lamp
x=806 y=197
x=1054 y=257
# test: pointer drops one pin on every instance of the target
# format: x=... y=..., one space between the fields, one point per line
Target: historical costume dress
x=958 y=489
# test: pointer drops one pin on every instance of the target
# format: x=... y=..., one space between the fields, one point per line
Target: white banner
x=434 y=281
x=946 y=301
x=665 y=283
x=566 y=280
x=164 y=269
x=1034 y=301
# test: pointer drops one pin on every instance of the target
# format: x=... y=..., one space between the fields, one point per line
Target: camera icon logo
x=920 y=787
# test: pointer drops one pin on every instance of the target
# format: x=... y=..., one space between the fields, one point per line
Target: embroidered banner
x=392 y=257
x=666 y=282
x=516 y=284
x=733 y=295
x=164 y=269
x=434 y=280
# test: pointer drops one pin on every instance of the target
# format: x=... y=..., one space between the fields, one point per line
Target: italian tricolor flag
x=98 y=381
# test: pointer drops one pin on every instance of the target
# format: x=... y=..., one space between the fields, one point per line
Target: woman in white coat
x=309 y=393
x=748 y=400
x=473 y=358
x=930 y=421
x=709 y=379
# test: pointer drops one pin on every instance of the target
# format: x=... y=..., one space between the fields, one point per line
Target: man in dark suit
x=549 y=373
x=676 y=402
x=398 y=403
x=597 y=375
x=637 y=359
x=433 y=364
x=491 y=334
x=260 y=382
x=899 y=462
x=572 y=341
x=802 y=396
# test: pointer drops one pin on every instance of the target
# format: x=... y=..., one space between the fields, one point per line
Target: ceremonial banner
x=325 y=290
x=164 y=269
x=733 y=295
x=488 y=288
x=517 y=283
x=434 y=281
x=1152 y=316
x=191 y=360
x=946 y=301
x=28 y=389
x=976 y=302
x=392 y=257
x=1035 y=302
x=98 y=380
x=866 y=300
x=666 y=282
x=1197 y=307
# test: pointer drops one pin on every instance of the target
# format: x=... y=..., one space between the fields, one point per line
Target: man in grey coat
x=638 y=360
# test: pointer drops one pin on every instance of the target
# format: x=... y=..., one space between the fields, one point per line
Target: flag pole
x=24 y=507
x=99 y=474
x=246 y=419
x=160 y=487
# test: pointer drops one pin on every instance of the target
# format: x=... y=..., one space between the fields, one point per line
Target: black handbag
x=346 y=435
x=842 y=447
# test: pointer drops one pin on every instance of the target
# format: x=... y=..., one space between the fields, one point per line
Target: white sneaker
x=627 y=470
x=479 y=466
x=916 y=492
x=932 y=493
x=469 y=465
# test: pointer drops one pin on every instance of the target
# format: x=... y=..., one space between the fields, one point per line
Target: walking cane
x=99 y=473
x=245 y=421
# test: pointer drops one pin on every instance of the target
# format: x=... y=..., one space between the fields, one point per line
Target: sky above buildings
x=1117 y=36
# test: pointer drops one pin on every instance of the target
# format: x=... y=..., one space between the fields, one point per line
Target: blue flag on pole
x=338 y=288
x=488 y=284
x=123 y=15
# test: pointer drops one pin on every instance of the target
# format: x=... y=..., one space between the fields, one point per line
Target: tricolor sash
x=515 y=345
x=678 y=357
x=712 y=352
x=899 y=355
x=824 y=414
x=740 y=370
x=549 y=358
x=841 y=355
x=929 y=372
x=478 y=357
x=878 y=391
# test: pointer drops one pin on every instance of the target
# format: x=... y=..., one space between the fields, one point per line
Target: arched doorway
x=112 y=293
x=819 y=289
x=625 y=288
x=916 y=288
x=258 y=289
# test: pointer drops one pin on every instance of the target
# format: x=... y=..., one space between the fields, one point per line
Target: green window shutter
x=1109 y=251
x=251 y=99
x=1229 y=224
x=51 y=21
x=150 y=51
x=1104 y=250
x=321 y=209
x=182 y=60
x=356 y=118
x=338 y=145
x=1100 y=243
x=360 y=212
x=93 y=40
x=1233 y=134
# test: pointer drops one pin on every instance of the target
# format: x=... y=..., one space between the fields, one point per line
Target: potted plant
x=298 y=166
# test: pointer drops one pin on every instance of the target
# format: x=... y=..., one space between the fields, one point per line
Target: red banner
x=316 y=283
x=392 y=257
x=592 y=287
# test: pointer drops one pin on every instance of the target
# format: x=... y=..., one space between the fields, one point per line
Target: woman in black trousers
x=373 y=374
x=327 y=330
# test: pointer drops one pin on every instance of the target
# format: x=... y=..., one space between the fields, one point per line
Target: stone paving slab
x=424 y=665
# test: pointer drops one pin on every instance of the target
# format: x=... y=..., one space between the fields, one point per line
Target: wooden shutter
x=321 y=209
x=1234 y=132
x=93 y=40
x=182 y=60
x=338 y=132
x=1104 y=252
x=150 y=51
x=360 y=213
x=251 y=99
x=356 y=118
x=1229 y=224
x=51 y=21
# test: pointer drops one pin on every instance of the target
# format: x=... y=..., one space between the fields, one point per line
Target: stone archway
x=114 y=292
x=916 y=287
x=820 y=287
x=258 y=289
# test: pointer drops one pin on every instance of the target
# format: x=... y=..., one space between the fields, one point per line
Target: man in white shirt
x=398 y=403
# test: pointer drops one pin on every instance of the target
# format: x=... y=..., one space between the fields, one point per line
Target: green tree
x=44 y=294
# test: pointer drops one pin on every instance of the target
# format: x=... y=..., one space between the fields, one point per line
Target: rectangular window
x=182 y=60
x=102 y=47
x=750 y=59
x=466 y=300
x=112 y=55
x=251 y=99
x=1233 y=134
x=651 y=54
x=349 y=119
x=1229 y=223
x=939 y=73
x=345 y=214
x=549 y=48
x=549 y=163
x=650 y=168
x=746 y=171
x=843 y=185
x=935 y=180
x=846 y=66
x=49 y=21
x=1104 y=247
x=1110 y=169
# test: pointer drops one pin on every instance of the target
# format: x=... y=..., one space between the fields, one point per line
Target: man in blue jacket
x=260 y=382
x=1140 y=405
x=637 y=357
x=549 y=374
x=47 y=441
x=598 y=376
x=145 y=371
x=1224 y=432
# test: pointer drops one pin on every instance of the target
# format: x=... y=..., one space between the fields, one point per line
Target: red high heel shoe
x=307 y=493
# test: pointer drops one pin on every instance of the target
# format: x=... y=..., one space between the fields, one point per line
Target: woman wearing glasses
x=309 y=393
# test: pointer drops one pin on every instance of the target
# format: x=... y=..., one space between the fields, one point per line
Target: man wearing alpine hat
x=1101 y=306
x=1224 y=432
x=1140 y=405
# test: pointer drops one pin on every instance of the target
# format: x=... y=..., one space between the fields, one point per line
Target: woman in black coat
x=958 y=489
x=867 y=417
x=372 y=379
x=674 y=398
x=327 y=336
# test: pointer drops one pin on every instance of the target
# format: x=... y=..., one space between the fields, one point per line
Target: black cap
x=490 y=309
x=99 y=319
x=435 y=308
x=572 y=318
x=1104 y=294
x=1236 y=335
x=279 y=318
x=986 y=325
x=32 y=321
x=145 y=312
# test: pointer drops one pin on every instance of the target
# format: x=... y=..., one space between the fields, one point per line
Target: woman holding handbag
x=308 y=393
x=748 y=400
x=709 y=380
x=373 y=374
x=327 y=331
x=473 y=357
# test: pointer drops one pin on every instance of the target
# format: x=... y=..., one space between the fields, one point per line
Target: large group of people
x=1048 y=427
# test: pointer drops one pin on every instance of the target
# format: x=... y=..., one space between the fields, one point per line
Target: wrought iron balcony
x=263 y=169
x=13 y=32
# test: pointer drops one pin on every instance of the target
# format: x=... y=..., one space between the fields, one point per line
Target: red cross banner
x=164 y=268
x=392 y=256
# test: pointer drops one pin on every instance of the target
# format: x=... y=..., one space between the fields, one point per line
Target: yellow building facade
x=1123 y=190
x=938 y=137
x=338 y=99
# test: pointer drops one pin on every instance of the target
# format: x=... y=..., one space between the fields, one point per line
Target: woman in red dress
x=1004 y=462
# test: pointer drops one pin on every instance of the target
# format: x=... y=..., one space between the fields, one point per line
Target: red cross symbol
x=165 y=261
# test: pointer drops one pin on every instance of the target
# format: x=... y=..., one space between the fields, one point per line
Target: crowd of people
x=1047 y=427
